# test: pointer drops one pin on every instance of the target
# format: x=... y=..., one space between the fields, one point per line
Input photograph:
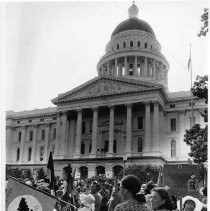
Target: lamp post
x=124 y=161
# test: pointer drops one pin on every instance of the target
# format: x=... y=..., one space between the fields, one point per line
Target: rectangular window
x=42 y=120
x=30 y=120
x=106 y=146
x=83 y=127
x=173 y=124
x=54 y=133
x=115 y=146
x=192 y=123
x=90 y=146
x=41 y=154
x=43 y=134
x=172 y=106
x=31 y=135
x=140 y=122
x=18 y=154
x=19 y=136
x=29 y=153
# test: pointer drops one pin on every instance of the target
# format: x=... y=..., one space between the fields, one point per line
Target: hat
x=88 y=200
x=198 y=204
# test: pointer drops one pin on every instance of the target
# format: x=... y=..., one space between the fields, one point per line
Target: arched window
x=145 y=45
x=138 y=44
x=131 y=44
x=124 y=44
x=173 y=148
x=29 y=153
x=118 y=46
x=41 y=154
x=18 y=154
x=140 y=144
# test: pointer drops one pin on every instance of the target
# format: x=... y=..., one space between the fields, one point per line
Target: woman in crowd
x=190 y=204
x=87 y=202
x=161 y=200
x=133 y=201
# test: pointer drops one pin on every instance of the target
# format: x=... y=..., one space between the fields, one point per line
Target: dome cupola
x=134 y=52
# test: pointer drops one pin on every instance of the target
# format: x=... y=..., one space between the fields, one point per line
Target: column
x=33 y=156
x=111 y=132
x=120 y=70
x=22 y=145
x=154 y=69
x=147 y=127
x=108 y=170
x=156 y=127
x=126 y=65
x=8 y=143
x=64 y=135
x=78 y=134
x=145 y=66
x=182 y=146
x=115 y=68
x=108 y=70
x=135 y=66
x=47 y=131
x=94 y=132
x=128 y=130
x=58 y=126
x=91 y=170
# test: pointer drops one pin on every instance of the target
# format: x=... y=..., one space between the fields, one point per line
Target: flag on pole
x=160 y=177
x=189 y=62
x=50 y=173
x=20 y=196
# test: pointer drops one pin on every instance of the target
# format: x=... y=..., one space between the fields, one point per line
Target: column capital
x=9 y=127
x=79 y=110
x=95 y=108
x=128 y=104
x=147 y=103
x=23 y=127
x=47 y=125
x=111 y=106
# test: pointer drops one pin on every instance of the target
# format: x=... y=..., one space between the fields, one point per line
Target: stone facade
x=127 y=111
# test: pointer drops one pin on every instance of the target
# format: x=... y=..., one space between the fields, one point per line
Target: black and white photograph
x=105 y=105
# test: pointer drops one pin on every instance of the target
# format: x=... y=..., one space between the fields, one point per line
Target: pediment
x=104 y=87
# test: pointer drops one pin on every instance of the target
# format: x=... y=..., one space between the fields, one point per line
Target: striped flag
x=20 y=196
x=50 y=173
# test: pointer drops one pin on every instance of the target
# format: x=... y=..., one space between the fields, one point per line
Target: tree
x=27 y=174
x=200 y=90
x=196 y=137
x=144 y=172
x=23 y=205
x=204 y=19
x=17 y=173
x=41 y=174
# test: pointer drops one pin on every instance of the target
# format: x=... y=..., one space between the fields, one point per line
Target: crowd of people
x=127 y=195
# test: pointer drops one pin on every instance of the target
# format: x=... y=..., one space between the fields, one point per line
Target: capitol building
x=126 y=113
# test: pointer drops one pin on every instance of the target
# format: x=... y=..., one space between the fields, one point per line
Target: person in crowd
x=147 y=191
x=203 y=192
x=174 y=202
x=190 y=203
x=105 y=198
x=115 y=199
x=95 y=188
x=160 y=199
x=87 y=202
x=133 y=201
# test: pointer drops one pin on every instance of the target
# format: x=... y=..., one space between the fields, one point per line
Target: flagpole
x=192 y=112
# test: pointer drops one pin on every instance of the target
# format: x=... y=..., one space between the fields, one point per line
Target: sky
x=53 y=47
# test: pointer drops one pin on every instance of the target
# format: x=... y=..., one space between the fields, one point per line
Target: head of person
x=130 y=188
x=87 y=200
x=161 y=199
x=189 y=205
x=95 y=187
x=149 y=186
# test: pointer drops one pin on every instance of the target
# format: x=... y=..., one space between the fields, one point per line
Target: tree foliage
x=204 y=19
x=41 y=174
x=145 y=173
x=196 y=137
